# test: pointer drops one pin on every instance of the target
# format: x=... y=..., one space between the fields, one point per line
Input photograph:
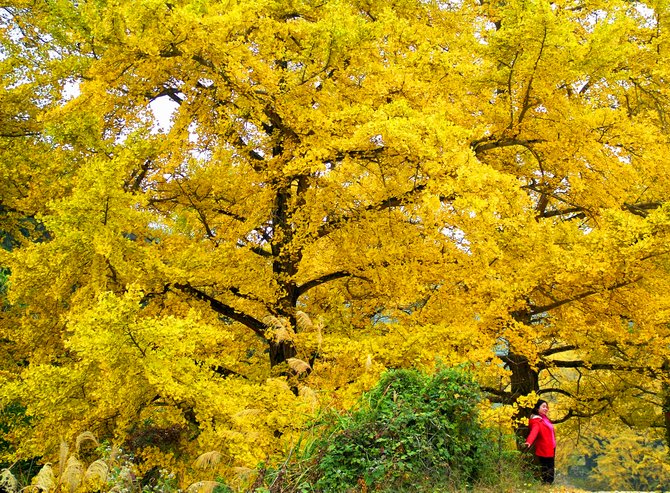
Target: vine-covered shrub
x=411 y=429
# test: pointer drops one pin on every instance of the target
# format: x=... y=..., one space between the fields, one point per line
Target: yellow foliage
x=498 y=417
x=340 y=187
x=633 y=461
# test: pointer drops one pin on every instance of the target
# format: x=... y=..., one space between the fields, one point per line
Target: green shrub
x=412 y=429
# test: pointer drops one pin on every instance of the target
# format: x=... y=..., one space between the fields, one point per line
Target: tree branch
x=545 y=308
x=226 y=372
x=236 y=291
x=579 y=414
x=12 y=135
x=497 y=396
x=557 y=350
x=171 y=92
x=486 y=144
x=577 y=213
x=391 y=202
x=322 y=280
x=255 y=325
x=232 y=215
x=260 y=251
x=644 y=370
x=526 y=100
x=642 y=209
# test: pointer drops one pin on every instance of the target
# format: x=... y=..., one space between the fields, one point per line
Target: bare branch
x=133 y=183
x=201 y=215
x=576 y=213
x=260 y=251
x=171 y=92
x=18 y=134
x=579 y=414
x=526 y=100
x=497 y=395
x=553 y=390
x=644 y=370
x=230 y=214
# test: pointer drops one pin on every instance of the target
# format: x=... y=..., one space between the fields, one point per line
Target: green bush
x=412 y=429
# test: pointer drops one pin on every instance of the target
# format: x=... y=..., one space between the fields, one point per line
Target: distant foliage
x=633 y=460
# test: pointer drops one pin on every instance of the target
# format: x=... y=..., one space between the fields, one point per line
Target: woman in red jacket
x=543 y=437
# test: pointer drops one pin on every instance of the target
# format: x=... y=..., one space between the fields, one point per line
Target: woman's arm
x=534 y=424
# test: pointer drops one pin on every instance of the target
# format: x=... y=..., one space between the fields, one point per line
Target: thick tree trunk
x=524 y=380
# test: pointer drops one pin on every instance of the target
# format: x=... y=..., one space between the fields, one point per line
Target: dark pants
x=546 y=469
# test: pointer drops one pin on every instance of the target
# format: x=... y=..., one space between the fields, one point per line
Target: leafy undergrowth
x=411 y=433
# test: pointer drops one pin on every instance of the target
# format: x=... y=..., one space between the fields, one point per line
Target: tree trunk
x=280 y=352
x=524 y=380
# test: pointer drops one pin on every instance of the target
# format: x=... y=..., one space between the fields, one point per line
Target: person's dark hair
x=536 y=409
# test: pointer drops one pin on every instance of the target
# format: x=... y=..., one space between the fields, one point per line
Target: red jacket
x=542 y=435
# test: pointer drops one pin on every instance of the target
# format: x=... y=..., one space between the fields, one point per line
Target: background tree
x=586 y=143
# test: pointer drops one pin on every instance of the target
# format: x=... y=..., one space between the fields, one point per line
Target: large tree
x=341 y=186
x=308 y=146
x=588 y=142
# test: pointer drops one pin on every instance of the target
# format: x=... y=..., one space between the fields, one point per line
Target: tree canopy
x=341 y=186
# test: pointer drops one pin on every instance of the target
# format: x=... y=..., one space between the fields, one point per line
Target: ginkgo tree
x=342 y=186
x=305 y=146
x=588 y=267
